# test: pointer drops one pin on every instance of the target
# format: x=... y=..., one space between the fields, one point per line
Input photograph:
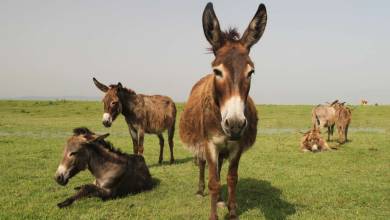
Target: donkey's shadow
x=177 y=161
x=260 y=194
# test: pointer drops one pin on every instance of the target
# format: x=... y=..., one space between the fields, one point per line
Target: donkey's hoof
x=64 y=204
x=199 y=194
x=172 y=161
x=213 y=217
x=233 y=215
x=221 y=204
x=160 y=161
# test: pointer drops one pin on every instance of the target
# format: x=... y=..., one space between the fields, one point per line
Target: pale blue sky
x=311 y=51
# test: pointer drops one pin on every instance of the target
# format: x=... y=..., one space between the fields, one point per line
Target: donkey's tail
x=317 y=119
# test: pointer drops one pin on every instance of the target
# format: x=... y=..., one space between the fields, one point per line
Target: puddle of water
x=261 y=131
x=270 y=131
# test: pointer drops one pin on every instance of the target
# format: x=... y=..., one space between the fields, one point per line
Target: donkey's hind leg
x=161 y=139
x=85 y=191
x=346 y=133
x=201 y=185
x=171 y=132
x=332 y=130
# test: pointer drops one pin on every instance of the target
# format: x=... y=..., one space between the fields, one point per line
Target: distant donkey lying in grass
x=312 y=141
x=144 y=114
x=117 y=174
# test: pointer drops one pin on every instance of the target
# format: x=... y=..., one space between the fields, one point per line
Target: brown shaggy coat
x=219 y=121
x=117 y=174
x=143 y=114
x=324 y=116
x=343 y=119
x=313 y=141
x=201 y=119
x=330 y=115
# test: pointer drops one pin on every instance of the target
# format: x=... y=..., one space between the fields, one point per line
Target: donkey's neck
x=128 y=102
x=101 y=160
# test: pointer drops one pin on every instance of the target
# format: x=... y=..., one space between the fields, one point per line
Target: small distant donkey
x=324 y=116
x=117 y=174
x=143 y=114
x=313 y=141
x=330 y=115
x=343 y=119
x=219 y=121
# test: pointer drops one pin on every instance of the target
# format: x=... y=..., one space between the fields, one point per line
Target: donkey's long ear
x=120 y=86
x=100 y=85
x=102 y=137
x=256 y=28
x=211 y=28
x=98 y=138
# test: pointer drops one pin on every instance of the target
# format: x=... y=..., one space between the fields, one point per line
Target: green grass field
x=276 y=180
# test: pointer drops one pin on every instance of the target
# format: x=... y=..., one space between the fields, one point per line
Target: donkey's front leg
x=232 y=182
x=220 y=202
x=201 y=185
x=341 y=131
x=141 y=141
x=85 y=191
x=214 y=185
x=134 y=138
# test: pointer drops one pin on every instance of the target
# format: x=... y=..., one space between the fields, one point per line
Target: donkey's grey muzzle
x=107 y=124
x=234 y=127
x=60 y=179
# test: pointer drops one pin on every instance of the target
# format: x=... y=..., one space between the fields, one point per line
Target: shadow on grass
x=155 y=183
x=177 y=161
x=260 y=194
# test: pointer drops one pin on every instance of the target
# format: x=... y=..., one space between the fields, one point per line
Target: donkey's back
x=136 y=178
x=160 y=113
x=323 y=116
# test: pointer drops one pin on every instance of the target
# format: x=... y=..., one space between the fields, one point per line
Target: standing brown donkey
x=143 y=114
x=219 y=120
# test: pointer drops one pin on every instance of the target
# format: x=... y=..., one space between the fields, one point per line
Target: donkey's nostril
x=227 y=123
x=59 y=178
x=243 y=124
x=106 y=124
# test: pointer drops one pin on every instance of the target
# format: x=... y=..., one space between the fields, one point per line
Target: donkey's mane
x=108 y=145
x=129 y=91
x=231 y=34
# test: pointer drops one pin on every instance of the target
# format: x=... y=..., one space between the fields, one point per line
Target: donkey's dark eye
x=73 y=153
x=217 y=72
x=251 y=73
x=114 y=103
